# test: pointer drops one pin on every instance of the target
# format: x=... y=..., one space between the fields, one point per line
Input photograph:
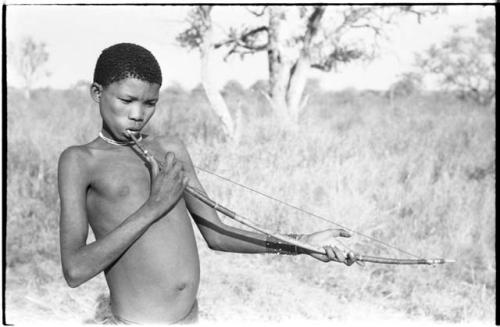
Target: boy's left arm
x=222 y=237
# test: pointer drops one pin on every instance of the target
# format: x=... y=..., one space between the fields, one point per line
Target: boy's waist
x=178 y=312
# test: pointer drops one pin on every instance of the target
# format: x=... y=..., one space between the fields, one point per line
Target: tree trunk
x=27 y=87
x=298 y=76
x=238 y=126
x=279 y=70
x=211 y=90
x=288 y=76
x=27 y=93
x=296 y=88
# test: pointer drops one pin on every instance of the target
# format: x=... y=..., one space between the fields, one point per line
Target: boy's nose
x=136 y=114
x=136 y=118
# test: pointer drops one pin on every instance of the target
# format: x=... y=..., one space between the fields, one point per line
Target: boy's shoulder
x=78 y=154
x=170 y=143
x=173 y=144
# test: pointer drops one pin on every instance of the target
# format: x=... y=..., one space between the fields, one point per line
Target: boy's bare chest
x=124 y=175
x=121 y=177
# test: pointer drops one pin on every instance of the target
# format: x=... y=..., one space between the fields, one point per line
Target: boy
x=137 y=209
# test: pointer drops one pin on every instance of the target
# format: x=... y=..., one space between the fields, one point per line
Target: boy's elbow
x=73 y=277
x=73 y=283
x=215 y=243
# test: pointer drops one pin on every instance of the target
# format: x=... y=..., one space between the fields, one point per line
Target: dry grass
x=420 y=176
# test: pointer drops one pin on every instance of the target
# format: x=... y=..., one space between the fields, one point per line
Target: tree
x=29 y=59
x=295 y=41
x=289 y=54
x=408 y=83
x=465 y=64
x=200 y=35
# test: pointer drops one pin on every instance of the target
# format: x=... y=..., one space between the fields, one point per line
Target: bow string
x=360 y=258
x=245 y=221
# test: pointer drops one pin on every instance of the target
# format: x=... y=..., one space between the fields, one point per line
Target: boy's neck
x=114 y=142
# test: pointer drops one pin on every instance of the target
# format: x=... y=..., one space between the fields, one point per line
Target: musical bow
x=247 y=222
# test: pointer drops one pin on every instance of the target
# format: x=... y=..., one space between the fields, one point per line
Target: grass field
x=419 y=174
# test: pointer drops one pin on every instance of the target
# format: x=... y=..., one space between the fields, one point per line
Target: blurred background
x=380 y=118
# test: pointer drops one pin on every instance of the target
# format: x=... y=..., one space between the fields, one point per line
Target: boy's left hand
x=333 y=253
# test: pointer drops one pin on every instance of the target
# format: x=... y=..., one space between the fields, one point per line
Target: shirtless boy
x=137 y=209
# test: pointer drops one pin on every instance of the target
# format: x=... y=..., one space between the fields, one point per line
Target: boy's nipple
x=124 y=191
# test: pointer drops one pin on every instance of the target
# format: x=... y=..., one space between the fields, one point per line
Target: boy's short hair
x=125 y=60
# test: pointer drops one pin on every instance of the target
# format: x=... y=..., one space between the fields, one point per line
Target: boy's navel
x=124 y=191
x=181 y=286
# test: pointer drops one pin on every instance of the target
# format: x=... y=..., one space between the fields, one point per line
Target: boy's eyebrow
x=131 y=97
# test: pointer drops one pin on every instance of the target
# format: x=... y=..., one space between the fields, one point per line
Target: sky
x=75 y=36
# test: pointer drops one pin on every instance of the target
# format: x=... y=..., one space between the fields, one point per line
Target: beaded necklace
x=111 y=141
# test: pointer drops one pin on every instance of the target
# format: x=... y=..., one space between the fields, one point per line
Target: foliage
x=29 y=58
x=341 y=36
x=199 y=35
x=187 y=115
x=421 y=177
x=296 y=39
x=192 y=36
x=233 y=87
x=409 y=83
x=465 y=63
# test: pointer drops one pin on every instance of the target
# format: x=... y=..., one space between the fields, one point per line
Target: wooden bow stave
x=245 y=221
x=358 y=258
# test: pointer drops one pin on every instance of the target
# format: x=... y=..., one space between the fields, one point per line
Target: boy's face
x=124 y=105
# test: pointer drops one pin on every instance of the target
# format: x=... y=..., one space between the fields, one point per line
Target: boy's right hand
x=167 y=183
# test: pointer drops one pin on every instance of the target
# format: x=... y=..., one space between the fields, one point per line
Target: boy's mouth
x=132 y=131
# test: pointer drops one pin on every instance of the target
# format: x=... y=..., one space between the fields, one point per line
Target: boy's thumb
x=155 y=169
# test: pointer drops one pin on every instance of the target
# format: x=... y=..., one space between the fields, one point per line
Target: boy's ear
x=96 y=91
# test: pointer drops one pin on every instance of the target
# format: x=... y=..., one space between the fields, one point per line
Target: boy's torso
x=156 y=279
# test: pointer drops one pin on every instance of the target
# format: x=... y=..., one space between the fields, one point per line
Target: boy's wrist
x=274 y=245
x=298 y=237
x=150 y=211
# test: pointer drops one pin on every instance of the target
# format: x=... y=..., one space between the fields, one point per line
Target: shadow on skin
x=203 y=222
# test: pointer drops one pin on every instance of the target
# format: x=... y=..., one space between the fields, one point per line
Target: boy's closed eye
x=148 y=103
x=126 y=100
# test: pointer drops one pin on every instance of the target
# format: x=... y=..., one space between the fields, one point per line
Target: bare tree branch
x=197 y=20
x=313 y=25
x=376 y=29
x=342 y=55
x=245 y=42
x=257 y=13
x=422 y=11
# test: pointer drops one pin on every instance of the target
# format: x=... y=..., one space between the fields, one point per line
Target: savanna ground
x=418 y=173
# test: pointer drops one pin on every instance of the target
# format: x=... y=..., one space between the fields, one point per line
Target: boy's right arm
x=81 y=261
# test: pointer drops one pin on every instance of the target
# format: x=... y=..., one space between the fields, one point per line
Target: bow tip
x=440 y=261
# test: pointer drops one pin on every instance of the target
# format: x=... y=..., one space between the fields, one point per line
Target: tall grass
x=418 y=174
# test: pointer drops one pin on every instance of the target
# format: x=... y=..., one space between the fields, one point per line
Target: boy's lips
x=134 y=131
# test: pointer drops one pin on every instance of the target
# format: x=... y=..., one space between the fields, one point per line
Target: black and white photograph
x=269 y=163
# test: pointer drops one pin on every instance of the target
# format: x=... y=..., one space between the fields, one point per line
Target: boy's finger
x=340 y=232
x=322 y=257
x=345 y=233
x=169 y=158
x=351 y=258
x=176 y=168
x=339 y=254
x=185 y=181
x=161 y=165
x=155 y=169
x=330 y=253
